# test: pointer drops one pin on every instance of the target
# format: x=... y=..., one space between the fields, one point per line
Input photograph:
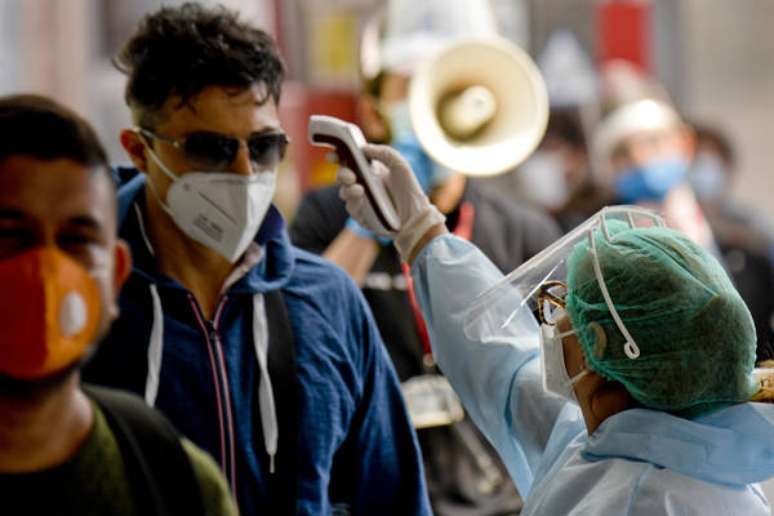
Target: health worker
x=613 y=372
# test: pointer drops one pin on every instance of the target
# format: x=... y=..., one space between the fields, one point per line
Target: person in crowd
x=67 y=448
x=557 y=176
x=264 y=355
x=746 y=241
x=714 y=166
x=558 y=171
x=634 y=390
x=641 y=154
x=463 y=472
x=645 y=154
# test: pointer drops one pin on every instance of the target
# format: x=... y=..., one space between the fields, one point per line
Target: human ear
x=134 y=145
x=122 y=266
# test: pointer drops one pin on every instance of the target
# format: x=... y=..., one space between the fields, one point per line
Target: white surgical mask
x=218 y=209
x=555 y=377
x=709 y=177
x=542 y=180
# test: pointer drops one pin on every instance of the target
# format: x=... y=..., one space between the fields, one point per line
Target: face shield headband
x=630 y=346
x=508 y=309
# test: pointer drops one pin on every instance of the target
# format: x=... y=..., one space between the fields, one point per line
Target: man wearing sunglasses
x=262 y=354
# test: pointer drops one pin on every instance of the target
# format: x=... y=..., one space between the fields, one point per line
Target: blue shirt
x=354 y=431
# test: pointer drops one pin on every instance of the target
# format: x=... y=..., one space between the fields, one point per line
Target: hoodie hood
x=272 y=272
x=732 y=446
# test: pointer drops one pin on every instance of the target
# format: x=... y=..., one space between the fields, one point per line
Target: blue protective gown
x=639 y=461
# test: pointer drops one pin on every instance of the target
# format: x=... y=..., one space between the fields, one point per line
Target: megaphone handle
x=375 y=193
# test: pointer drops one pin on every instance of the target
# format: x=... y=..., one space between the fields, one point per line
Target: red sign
x=624 y=33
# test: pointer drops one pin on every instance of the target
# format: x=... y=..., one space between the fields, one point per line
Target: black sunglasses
x=217 y=151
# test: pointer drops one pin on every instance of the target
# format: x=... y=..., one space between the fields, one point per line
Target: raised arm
x=498 y=380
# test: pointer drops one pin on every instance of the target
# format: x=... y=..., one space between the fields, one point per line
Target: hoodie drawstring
x=265 y=392
x=261 y=340
x=154 y=349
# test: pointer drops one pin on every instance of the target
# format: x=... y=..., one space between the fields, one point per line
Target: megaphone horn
x=479 y=107
x=465 y=113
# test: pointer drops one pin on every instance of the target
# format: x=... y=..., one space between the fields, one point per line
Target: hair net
x=695 y=334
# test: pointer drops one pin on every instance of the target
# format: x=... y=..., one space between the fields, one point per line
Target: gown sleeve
x=497 y=377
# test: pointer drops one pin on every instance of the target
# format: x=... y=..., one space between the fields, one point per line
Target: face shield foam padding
x=695 y=334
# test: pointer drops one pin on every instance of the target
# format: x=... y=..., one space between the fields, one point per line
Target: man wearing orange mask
x=61 y=267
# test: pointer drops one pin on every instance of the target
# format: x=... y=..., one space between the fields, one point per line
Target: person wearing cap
x=463 y=472
x=641 y=154
x=630 y=389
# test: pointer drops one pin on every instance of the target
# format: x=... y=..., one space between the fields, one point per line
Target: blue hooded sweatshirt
x=356 y=449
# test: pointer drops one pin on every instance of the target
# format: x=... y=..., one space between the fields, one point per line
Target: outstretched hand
x=412 y=206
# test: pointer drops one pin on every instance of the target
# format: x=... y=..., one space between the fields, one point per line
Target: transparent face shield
x=534 y=293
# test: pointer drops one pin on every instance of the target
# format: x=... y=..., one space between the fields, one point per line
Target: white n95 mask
x=218 y=209
x=555 y=377
x=541 y=179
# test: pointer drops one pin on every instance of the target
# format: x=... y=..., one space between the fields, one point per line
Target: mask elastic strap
x=168 y=173
x=155 y=156
x=575 y=379
x=564 y=334
x=586 y=370
x=161 y=164
x=630 y=347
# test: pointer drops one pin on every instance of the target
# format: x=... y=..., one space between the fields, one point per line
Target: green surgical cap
x=695 y=334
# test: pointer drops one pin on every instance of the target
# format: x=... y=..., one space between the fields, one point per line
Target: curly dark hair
x=180 y=51
x=36 y=126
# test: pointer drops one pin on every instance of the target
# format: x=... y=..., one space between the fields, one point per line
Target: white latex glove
x=414 y=210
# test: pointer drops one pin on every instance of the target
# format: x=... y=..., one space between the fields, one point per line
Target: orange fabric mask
x=49 y=313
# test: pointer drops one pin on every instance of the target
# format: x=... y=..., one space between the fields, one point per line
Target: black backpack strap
x=158 y=467
x=284 y=482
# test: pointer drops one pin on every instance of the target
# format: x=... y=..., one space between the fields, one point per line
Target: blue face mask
x=429 y=173
x=651 y=181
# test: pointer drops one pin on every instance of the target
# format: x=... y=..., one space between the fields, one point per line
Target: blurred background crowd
x=712 y=57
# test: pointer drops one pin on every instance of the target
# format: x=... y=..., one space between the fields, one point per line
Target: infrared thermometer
x=347 y=140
